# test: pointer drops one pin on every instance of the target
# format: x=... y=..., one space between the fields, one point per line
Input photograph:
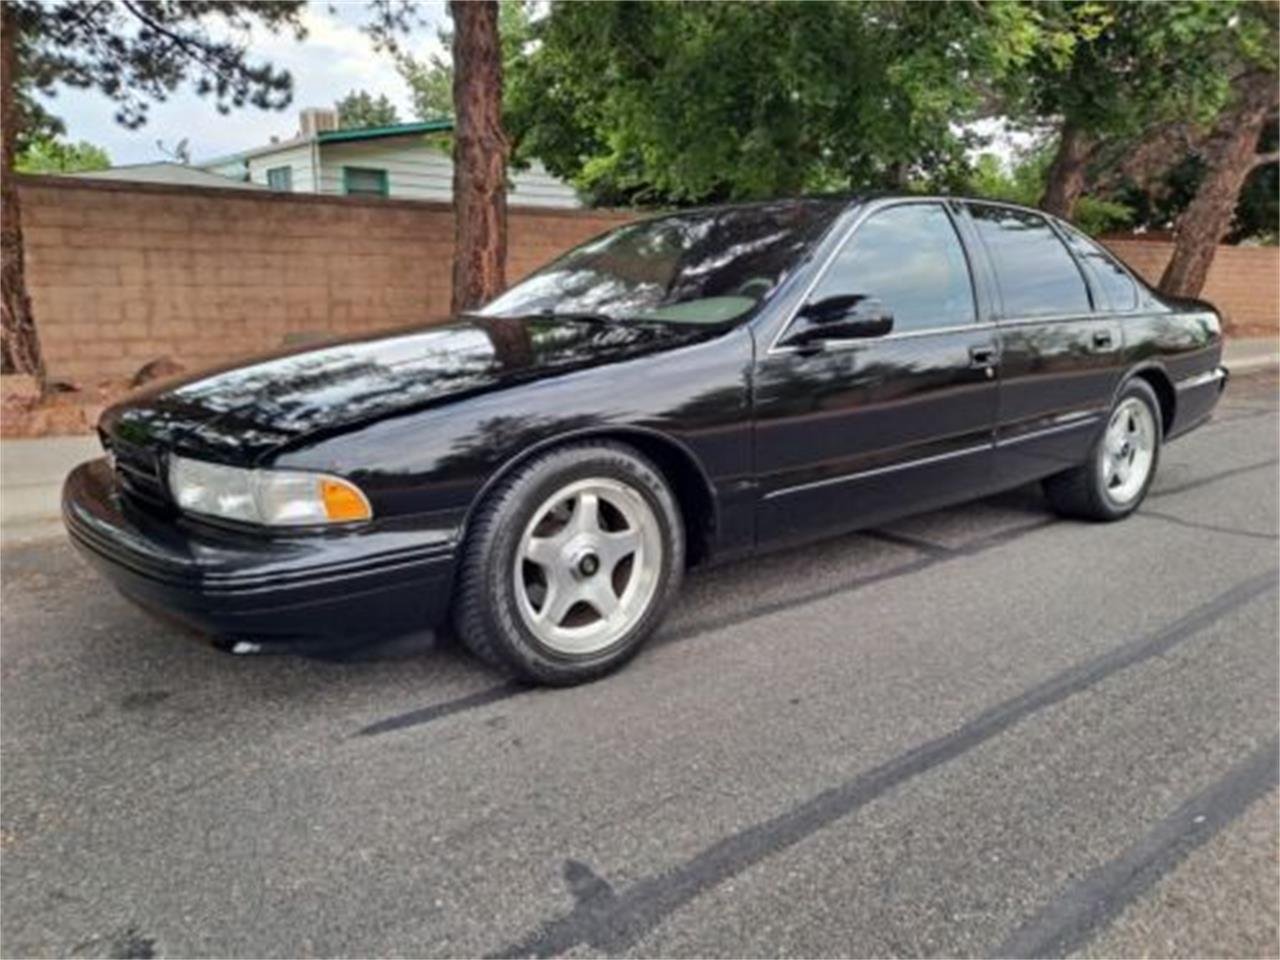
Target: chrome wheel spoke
x=598 y=594
x=544 y=551
x=561 y=594
x=586 y=514
x=616 y=547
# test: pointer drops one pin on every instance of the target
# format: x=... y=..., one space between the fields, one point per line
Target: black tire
x=485 y=612
x=1080 y=492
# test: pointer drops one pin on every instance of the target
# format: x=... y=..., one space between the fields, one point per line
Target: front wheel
x=570 y=564
x=1122 y=464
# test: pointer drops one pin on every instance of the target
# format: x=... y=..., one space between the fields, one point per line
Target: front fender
x=438 y=463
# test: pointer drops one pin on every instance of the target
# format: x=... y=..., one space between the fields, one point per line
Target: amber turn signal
x=343 y=502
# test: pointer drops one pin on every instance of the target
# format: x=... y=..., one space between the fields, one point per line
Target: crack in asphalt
x=414 y=718
x=1072 y=917
x=1210 y=527
x=932 y=553
x=906 y=540
x=610 y=921
x=1212 y=478
x=512 y=689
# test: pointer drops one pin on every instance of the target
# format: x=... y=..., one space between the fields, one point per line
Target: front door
x=852 y=432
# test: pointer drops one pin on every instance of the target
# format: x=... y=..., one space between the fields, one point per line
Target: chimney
x=315 y=120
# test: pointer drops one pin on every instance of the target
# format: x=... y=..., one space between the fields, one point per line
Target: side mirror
x=844 y=317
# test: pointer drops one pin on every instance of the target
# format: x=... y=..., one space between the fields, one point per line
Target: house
x=408 y=160
x=169 y=172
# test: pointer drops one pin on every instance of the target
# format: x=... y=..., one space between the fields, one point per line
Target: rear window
x=1036 y=274
x=1117 y=287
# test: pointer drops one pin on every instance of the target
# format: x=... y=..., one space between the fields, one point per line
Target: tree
x=54 y=155
x=360 y=109
x=133 y=52
x=1113 y=72
x=1230 y=154
x=678 y=103
x=431 y=82
x=479 y=155
x=19 y=345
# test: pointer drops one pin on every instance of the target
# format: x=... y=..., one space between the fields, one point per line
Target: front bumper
x=330 y=588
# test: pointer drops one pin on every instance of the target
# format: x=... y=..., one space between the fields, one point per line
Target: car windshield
x=708 y=266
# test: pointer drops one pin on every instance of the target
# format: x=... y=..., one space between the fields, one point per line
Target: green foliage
x=1116 y=69
x=1024 y=183
x=430 y=85
x=1257 y=213
x=675 y=103
x=138 y=51
x=360 y=109
x=431 y=81
x=52 y=155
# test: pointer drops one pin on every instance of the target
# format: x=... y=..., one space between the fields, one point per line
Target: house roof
x=168 y=172
x=392 y=130
x=336 y=136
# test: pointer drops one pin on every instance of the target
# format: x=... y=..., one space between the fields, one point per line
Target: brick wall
x=1243 y=283
x=122 y=274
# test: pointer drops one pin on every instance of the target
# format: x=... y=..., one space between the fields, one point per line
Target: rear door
x=1061 y=348
x=856 y=431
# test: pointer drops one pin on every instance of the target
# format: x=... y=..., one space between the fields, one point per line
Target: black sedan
x=682 y=389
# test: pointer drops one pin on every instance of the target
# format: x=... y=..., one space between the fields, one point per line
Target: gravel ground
x=982 y=731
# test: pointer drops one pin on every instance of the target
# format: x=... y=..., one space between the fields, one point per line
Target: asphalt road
x=981 y=731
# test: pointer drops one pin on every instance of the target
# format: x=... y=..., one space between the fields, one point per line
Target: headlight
x=276 y=498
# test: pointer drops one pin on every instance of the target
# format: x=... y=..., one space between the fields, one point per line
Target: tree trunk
x=1229 y=154
x=479 y=155
x=1066 y=176
x=19 y=344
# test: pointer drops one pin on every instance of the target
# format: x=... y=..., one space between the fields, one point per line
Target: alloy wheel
x=1128 y=451
x=588 y=565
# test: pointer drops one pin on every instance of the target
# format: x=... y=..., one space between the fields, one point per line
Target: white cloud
x=335 y=58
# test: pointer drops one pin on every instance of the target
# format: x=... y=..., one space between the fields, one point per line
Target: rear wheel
x=570 y=564
x=1122 y=464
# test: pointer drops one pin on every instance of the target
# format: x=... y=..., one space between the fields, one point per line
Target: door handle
x=984 y=356
x=1102 y=339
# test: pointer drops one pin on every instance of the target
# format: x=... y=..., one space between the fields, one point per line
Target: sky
x=334 y=59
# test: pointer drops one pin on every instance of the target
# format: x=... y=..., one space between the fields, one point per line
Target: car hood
x=238 y=414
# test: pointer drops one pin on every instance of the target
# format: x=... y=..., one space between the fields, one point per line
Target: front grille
x=137 y=471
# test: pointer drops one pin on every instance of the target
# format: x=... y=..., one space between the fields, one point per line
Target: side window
x=1117 y=286
x=364 y=182
x=910 y=258
x=1037 y=275
x=280 y=178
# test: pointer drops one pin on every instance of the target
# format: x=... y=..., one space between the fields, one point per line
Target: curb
x=1246 y=364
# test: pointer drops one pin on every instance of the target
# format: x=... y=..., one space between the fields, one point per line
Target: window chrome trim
x=877 y=471
x=837 y=345
x=1055 y=318
x=821 y=272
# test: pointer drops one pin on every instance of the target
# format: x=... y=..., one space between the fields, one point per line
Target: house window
x=280 y=178
x=364 y=182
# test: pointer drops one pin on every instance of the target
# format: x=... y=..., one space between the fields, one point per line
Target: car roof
x=840 y=200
